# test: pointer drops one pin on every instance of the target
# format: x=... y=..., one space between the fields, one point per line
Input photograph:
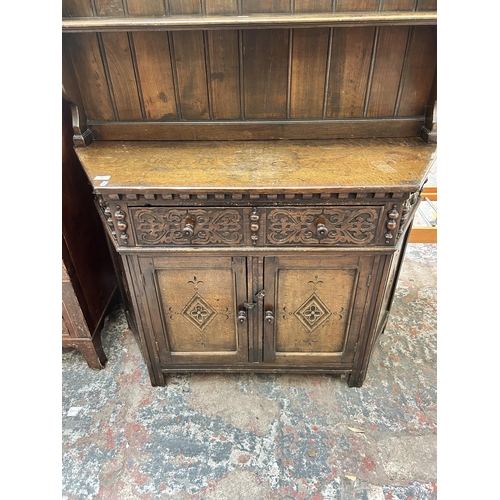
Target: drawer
x=328 y=226
x=262 y=226
x=207 y=226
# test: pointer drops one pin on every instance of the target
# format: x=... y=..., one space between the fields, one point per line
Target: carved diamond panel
x=199 y=312
x=312 y=313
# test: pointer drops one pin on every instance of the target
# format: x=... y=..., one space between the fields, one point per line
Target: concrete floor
x=245 y=436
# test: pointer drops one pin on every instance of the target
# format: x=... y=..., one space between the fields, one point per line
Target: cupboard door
x=194 y=304
x=314 y=308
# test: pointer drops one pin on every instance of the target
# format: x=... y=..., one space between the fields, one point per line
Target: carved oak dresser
x=257 y=166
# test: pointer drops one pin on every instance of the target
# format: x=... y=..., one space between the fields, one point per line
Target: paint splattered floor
x=245 y=436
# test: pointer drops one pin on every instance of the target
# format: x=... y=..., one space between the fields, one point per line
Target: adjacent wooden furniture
x=89 y=284
x=257 y=166
x=426 y=230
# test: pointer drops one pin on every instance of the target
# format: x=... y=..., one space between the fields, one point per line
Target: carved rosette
x=328 y=226
x=163 y=226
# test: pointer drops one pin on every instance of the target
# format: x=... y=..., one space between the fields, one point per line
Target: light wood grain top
x=257 y=166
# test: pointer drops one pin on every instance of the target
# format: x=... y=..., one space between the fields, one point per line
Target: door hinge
x=157 y=347
x=368 y=281
x=355 y=348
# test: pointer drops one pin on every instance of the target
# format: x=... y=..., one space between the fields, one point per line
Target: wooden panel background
x=282 y=75
x=140 y=8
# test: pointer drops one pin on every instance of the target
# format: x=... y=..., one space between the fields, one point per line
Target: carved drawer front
x=188 y=226
x=330 y=226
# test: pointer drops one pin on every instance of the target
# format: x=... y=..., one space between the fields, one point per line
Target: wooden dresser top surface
x=258 y=166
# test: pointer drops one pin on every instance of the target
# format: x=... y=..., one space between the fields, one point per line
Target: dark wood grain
x=390 y=53
x=223 y=57
x=178 y=7
x=89 y=283
x=399 y=5
x=71 y=92
x=349 y=71
x=418 y=72
x=189 y=51
x=76 y=8
x=265 y=73
x=221 y=6
x=269 y=6
x=308 y=72
x=315 y=6
x=358 y=5
x=426 y=5
x=150 y=8
x=152 y=50
x=89 y=70
x=109 y=7
x=122 y=76
x=257 y=130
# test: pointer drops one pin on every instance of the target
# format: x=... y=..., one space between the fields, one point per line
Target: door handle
x=242 y=316
x=269 y=317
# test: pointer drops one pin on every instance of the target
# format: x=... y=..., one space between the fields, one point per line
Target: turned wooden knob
x=322 y=230
x=269 y=317
x=188 y=229
x=242 y=316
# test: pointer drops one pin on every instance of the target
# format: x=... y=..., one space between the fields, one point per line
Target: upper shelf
x=253 y=21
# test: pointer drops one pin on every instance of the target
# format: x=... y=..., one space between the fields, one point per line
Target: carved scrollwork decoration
x=156 y=226
x=328 y=226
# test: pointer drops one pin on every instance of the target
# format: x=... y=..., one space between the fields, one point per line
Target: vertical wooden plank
x=190 y=67
x=387 y=70
x=90 y=75
x=427 y=5
x=109 y=8
x=138 y=8
x=221 y=6
x=76 y=8
x=399 y=5
x=357 y=5
x=178 y=7
x=224 y=73
x=265 y=73
x=122 y=75
x=304 y=6
x=265 y=6
x=349 y=71
x=418 y=72
x=309 y=55
x=155 y=72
